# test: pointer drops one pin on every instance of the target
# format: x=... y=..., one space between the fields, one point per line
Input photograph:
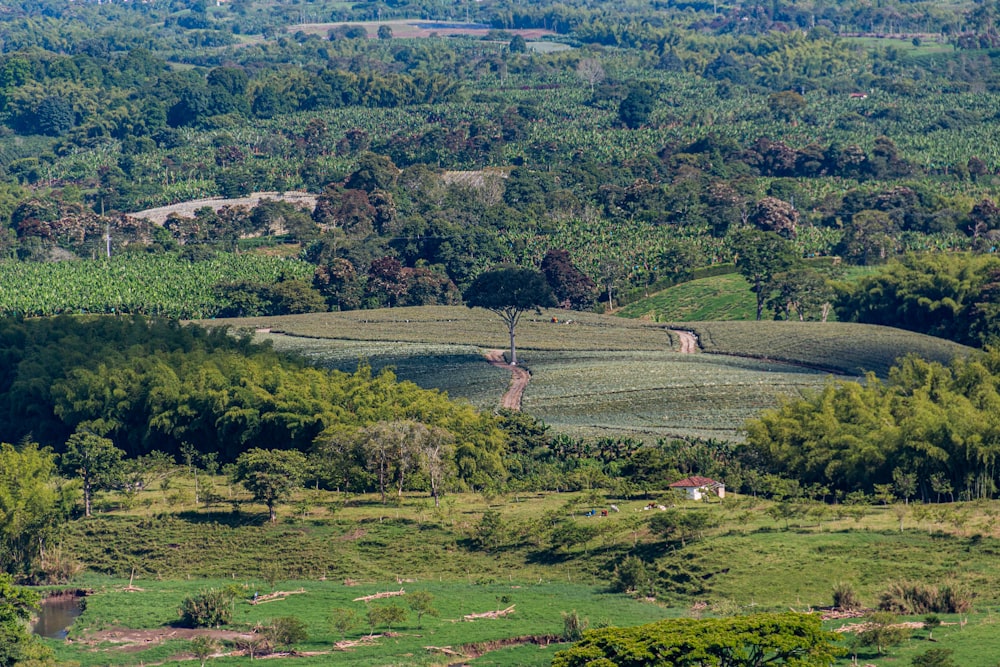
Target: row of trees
x=930 y=431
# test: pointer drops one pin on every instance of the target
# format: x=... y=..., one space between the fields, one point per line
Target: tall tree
x=508 y=292
x=95 y=459
x=760 y=255
x=573 y=288
x=31 y=505
x=270 y=475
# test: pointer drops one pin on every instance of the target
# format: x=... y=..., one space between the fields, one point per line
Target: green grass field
x=335 y=552
x=725 y=297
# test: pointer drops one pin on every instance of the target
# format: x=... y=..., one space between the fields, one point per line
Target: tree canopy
x=795 y=640
x=509 y=292
x=937 y=423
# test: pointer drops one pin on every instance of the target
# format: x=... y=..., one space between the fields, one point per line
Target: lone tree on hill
x=508 y=292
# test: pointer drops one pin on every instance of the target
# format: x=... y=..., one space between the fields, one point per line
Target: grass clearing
x=751 y=561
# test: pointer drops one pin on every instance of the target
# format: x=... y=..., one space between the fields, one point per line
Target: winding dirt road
x=519 y=378
x=689 y=342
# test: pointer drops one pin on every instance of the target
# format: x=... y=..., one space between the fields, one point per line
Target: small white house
x=696 y=488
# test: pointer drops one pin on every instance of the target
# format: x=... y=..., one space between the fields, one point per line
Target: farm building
x=697 y=488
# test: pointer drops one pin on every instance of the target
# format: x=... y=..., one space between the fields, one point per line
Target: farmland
x=597 y=375
x=696 y=185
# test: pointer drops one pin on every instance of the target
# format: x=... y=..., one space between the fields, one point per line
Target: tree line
x=928 y=432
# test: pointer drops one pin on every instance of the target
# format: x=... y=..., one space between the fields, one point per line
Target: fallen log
x=447 y=650
x=277 y=595
x=500 y=613
x=379 y=596
x=348 y=644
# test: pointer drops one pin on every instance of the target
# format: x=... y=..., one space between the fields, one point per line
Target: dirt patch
x=688 y=341
x=135 y=640
x=482 y=648
x=519 y=378
x=186 y=209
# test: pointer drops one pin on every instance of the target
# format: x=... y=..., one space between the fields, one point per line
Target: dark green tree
x=509 y=292
x=635 y=109
x=270 y=475
x=759 y=256
x=746 y=641
x=96 y=460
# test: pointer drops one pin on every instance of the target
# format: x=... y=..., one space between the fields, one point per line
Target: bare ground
x=689 y=342
x=519 y=379
x=186 y=209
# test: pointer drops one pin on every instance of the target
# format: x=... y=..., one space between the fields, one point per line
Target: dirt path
x=519 y=378
x=689 y=342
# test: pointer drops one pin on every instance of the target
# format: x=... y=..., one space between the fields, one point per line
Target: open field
x=725 y=297
x=415 y=28
x=342 y=549
x=603 y=376
x=838 y=346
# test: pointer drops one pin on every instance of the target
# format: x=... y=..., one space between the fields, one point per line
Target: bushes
x=209 y=608
x=845 y=597
x=913 y=598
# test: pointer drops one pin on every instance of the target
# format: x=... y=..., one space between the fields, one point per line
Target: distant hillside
x=725 y=297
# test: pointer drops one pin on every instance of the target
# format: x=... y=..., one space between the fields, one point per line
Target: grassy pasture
x=751 y=561
x=725 y=297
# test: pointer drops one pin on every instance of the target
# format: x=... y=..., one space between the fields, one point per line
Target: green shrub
x=913 y=598
x=573 y=626
x=285 y=631
x=209 y=608
x=845 y=597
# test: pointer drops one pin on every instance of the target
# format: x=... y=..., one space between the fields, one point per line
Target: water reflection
x=56 y=614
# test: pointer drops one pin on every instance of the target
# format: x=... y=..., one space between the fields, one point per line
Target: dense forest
x=641 y=141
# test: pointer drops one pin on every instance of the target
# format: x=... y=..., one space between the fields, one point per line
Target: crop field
x=460 y=370
x=415 y=28
x=594 y=375
x=656 y=394
x=451 y=325
x=726 y=297
x=837 y=346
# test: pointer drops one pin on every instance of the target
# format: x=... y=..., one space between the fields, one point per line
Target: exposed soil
x=187 y=208
x=519 y=379
x=689 y=342
x=136 y=640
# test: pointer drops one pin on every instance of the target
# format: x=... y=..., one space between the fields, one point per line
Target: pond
x=57 y=612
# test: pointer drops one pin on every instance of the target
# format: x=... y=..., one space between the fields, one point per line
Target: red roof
x=694 y=483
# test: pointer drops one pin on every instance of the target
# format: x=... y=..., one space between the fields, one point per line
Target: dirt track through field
x=689 y=342
x=519 y=378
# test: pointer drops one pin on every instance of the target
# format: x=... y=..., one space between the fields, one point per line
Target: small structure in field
x=696 y=488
